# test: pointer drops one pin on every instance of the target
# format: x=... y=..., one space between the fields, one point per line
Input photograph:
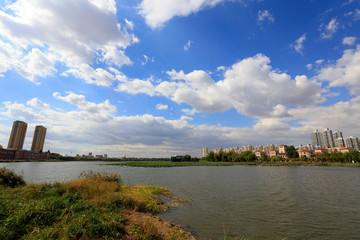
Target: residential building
x=38 y=139
x=339 y=142
x=17 y=136
x=204 y=152
x=352 y=142
x=316 y=138
x=327 y=138
x=282 y=149
x=337 y=134
x=305 y=153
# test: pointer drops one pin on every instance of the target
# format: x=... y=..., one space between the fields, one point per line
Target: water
x=242 y=201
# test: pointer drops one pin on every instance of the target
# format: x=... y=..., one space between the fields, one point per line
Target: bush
x=101 y=176
x=10 y=179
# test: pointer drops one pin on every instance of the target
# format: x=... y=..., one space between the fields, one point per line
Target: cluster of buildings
x=325 y=141
x=15 y=145
x=90 y=155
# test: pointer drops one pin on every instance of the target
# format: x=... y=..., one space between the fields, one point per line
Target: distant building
x=282 y=149
x=352 y=142
x=17 y=136
x=204 y=152
x=177 y=158
x=339 y=142
x=38 y=139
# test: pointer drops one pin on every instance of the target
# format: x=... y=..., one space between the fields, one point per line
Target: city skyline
x=149 y=79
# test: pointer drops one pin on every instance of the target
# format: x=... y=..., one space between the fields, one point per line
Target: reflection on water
x=244 y=201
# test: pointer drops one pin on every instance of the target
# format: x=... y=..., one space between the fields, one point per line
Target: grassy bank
x=204 y=163
x=94 y=206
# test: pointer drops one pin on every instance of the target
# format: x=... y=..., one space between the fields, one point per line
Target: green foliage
x=276 y=159
x=247 y=156
x=101 y=176
x=291 y=152
x=10 y=179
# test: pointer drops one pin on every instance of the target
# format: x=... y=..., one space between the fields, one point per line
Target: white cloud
x=40 y=33
x=147 y=59
x=250 y=86
x=187 y=45
x=158 y=12
x=189 y=111
x=161 y=106
x=345 y=72
x=16 y=110
x=299 y=44
x=265 y=15
x=98 y=76
x=328 y=31
x=320 y=61
x=349 y=41
x=309 y=66
x=35 y=102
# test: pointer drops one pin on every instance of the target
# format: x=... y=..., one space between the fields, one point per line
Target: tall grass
x=95 y=206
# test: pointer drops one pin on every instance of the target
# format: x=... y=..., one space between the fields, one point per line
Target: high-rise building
x=204 y=152
x=17 y=136
x=337 y=135
x=339 y=142
x=327 y=138
x=38 y=139
x=352 y=142
x=316 y=138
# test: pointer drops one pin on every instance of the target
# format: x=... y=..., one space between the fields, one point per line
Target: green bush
x=10 y=179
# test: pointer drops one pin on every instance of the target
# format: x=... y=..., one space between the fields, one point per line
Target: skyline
x=159 y=78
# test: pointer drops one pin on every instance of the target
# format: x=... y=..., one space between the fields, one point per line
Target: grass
x=86 y=208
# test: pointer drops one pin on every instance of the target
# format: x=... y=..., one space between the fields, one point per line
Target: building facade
x=17 y=136
x=38 y=139
x=204 y=152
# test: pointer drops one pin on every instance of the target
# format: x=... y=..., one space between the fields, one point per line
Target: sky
x=156 y=78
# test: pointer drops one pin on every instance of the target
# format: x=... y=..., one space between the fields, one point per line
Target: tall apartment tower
x=352 y=142
x=327 y=137
x=316 y=138
x=38 y=139
x=17 y=136
x=204 y=152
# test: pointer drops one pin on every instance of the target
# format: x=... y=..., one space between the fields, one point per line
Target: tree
x=187 y=158
x=210 y=157
x=291 y=152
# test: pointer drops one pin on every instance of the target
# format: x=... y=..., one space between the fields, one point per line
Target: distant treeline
x=129 y=159
x=247 y=156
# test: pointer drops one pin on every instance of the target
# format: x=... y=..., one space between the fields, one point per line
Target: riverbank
x=95 y=206
x=204 y=163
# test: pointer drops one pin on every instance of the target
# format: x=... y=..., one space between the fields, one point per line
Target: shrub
x=101 y=176
x=10 y=179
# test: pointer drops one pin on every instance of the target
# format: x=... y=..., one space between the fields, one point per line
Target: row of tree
x=247 y=156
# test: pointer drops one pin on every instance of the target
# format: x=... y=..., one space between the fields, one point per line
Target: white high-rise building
x=204 y=152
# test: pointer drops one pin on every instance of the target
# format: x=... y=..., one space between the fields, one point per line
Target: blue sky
x=154 y=78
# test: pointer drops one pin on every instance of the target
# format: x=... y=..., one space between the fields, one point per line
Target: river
x=240 y=201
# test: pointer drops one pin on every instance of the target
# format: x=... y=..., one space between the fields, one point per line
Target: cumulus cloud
x=349 y=41
x=17 y=110
x=188 y=111
x=265 y=15
x=35 y=102
x=158 y=12
x=328 y=31
x=345 y=72
x=161 y=106
x=250 y=86
x=39 y=33
x=298 y=46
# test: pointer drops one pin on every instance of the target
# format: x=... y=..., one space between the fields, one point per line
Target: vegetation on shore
x=95 y=206
x=172 y=164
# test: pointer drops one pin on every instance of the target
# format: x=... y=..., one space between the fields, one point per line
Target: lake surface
x=243 y=201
